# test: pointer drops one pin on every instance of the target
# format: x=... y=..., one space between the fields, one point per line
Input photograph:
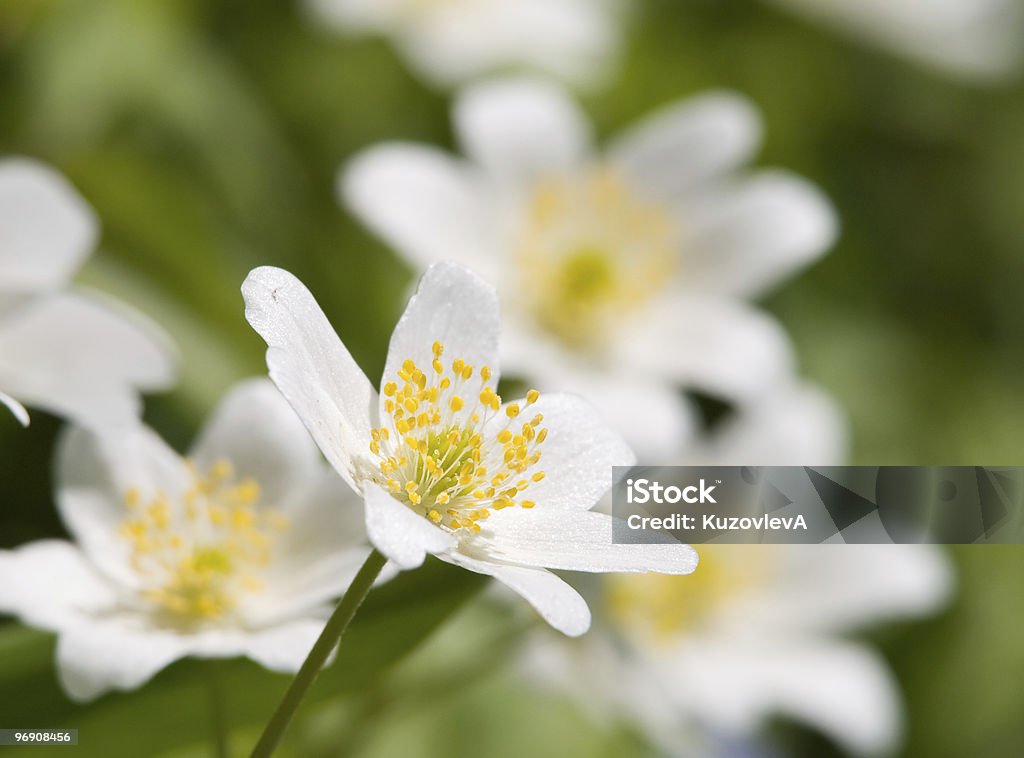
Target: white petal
x=48 y=230
x=735 y=684
x=311 y=367
x=718 y=345
x=353 y=15
x=113 y=653
x=556 y=602
x=798 y=425
x=317 y=557
x=681 y=145
x=840 y=587
x=49 y=584
x=256 y=430
x=84 y=357
x=283 y=647
x=979 y=40
x=578 y=455
x=746 y=238
x=521 y=130
x=570 y=541
x=572 y=39
x=425 y=204
x=654 y=418
x=452 y=306
x=93 y=475
x=15 y=407
x=400 y=534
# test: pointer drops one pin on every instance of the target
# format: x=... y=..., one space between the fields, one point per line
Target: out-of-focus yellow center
x=448 y=448
x=656 y=609
x=592 y=251
x=197 y=555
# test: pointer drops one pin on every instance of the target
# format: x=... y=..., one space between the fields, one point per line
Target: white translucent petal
x=747 y=236
x=714 y=344
x=49 y=584
x=94 y=474
x=521 y=130
x=404 y=537
x=572 y=541
x=575 y=40
x=48 y=230
x=796 y=425
x=113 y=653
x=578 y=455
x=842 y=587
x=317 y=556
x=83 y=356
x=284 y=646
x=312 y=367
x=455 y=307
x=556 y=602
x=669 y=153
x=15 y=408
x=734 y=684
x=979 y=40
x=257 y=432
x=425 y=204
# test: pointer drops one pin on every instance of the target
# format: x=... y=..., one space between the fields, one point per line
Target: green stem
x=331 y=635
x=220 y=735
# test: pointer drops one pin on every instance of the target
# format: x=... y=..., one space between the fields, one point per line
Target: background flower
x=71 y=352
x=622 y=273
x=235 y=551
x=977 y=40
x=454 y=40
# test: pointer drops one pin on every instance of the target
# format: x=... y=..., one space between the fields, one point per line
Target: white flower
x=237 y=550
x=68 y=351
x=450 y=41
x=443 y=466
x=973 y=39
x=623 y=274
x=759 y=630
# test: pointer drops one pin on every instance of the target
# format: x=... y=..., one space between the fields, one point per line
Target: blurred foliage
x=207 y=136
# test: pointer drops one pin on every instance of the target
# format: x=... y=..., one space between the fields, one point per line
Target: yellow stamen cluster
x=590 y=251
x=198 y=551
x=448 y=448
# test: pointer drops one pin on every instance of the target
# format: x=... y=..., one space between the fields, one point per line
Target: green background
x=207 y=137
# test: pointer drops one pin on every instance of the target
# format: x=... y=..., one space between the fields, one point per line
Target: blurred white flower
x=237 y=550
x=758 y=630
x=973 y=39
x=451 y=41
x=71 y=352
x=443 y=466
x=623 y=274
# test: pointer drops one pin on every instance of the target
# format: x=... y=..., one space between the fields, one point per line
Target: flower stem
x=331 y=635
x=220 y=735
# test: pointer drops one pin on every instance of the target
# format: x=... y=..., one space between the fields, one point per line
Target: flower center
x=448 y=450
x=591 y=251
x=198 y=555
x=658 y=608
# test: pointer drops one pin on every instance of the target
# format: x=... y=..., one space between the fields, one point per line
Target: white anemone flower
x=238 y=550
x=452 y=41
x=977 y=40
x=444 y=467
x=68 y=351
x=624 y=274
x=759 y=630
